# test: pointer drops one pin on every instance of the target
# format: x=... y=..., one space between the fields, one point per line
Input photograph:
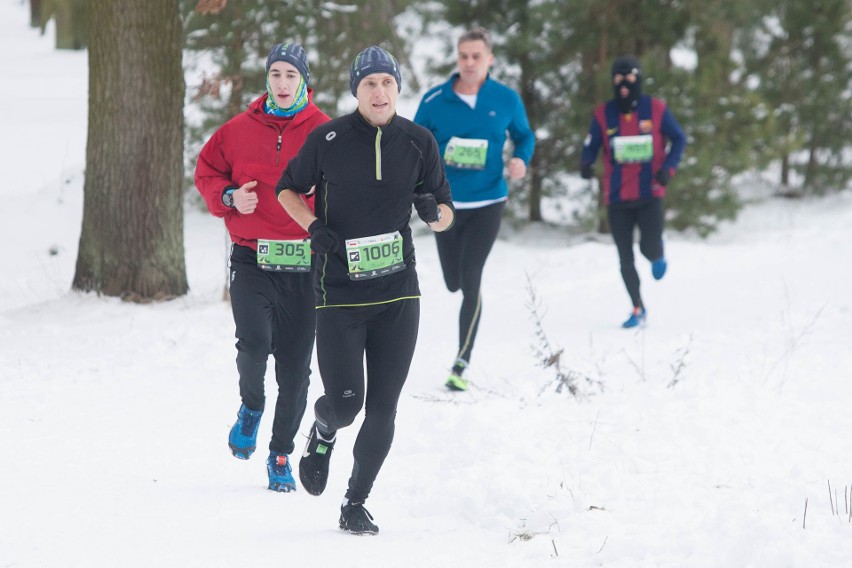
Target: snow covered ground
x=698 y=442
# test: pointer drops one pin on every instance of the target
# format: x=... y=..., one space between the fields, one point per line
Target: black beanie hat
x=374 y=59
x=291 y=53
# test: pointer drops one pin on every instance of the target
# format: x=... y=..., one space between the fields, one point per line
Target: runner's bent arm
x=296 y=208
x=521 y=133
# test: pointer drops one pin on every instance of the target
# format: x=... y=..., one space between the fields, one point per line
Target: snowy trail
x=114 y=417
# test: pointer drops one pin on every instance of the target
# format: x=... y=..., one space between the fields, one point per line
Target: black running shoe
x=355 y=519
x=313 y=467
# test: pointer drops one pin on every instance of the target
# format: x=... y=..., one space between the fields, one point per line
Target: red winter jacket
x=251 y=146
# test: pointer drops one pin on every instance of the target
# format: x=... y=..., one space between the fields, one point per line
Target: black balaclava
x=624 y=66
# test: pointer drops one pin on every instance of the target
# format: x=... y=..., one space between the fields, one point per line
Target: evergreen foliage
x=800 y=59
x=236 y=36
x=765 y=84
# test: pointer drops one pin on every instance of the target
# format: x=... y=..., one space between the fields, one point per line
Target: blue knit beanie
x=291 y=53
x=374 y=59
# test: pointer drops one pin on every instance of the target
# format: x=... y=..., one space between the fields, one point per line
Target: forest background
x=762 y=86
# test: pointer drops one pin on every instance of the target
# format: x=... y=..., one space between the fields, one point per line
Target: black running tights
x=463 y=251
x=274 y=314
x=384 y=334
x=623 y=219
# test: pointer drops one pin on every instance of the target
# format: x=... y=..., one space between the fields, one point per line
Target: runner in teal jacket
x=476 y=174
x=469 y=116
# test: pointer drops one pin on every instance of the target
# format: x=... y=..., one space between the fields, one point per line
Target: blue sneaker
x=280 y=474
x=636 y=318
x=243 y=437
x=658 y=268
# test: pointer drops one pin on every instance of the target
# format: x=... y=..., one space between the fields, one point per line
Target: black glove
x=323 y=239
x=663 y=177
x=586 y=171
x=427 y=207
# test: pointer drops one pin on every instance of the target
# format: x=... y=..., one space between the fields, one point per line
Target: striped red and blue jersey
x=629 y=175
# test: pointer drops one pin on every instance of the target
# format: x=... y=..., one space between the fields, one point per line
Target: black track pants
x=463 y=251
x=649 y=217
x=386 y=334
x=274 y=314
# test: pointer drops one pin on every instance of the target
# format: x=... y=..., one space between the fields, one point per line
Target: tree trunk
x=69 y=17
x=808 y=185
x=534 y=176
x=604 y=66
x=35 y=13
x=234 y=45
x=131 y=244
x=603 y=218
x=236 y=56
x=536 y=189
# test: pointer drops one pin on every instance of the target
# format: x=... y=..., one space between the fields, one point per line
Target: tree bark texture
x=131 y=244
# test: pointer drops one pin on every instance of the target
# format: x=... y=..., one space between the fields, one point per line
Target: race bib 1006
x=284 y=256
x=374 y=257
x=633 y=149
x=468 y=153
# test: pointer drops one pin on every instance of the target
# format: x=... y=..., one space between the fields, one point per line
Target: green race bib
x=468 y=153
x=633 y=149
x=284 y=256
x=374 y=257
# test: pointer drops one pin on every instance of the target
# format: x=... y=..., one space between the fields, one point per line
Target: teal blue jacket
x=498 y=110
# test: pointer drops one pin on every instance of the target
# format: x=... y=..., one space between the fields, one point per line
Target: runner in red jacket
x=270 y=283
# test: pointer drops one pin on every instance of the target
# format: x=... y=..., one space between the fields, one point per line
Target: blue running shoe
x=636 y=318
x=243 y=437
x=280 y=474
x=658 y=268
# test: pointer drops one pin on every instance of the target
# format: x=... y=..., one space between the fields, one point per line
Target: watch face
x=228 y=199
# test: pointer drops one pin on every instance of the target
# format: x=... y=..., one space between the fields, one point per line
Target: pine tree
x=715 y=111
x=800 y=57
x=528 y=48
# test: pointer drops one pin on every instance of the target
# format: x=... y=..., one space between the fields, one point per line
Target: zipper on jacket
x=378 y=153
x=278 y=149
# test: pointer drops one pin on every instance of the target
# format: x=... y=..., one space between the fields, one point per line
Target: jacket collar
x=255 y=110
x=364 y=126
x=449 y=93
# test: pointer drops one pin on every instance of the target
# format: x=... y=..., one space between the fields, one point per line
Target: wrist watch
x=228 y=197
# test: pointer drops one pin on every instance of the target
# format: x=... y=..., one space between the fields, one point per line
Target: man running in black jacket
x=367 y=167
